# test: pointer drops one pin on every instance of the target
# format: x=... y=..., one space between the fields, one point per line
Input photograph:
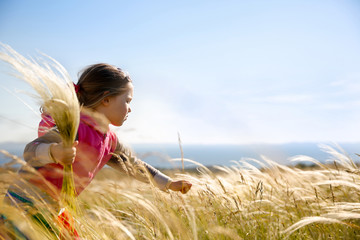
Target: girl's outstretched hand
x=182 y=185
x=63 y=155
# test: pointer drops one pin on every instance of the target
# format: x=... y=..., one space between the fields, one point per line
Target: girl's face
x=118 y=107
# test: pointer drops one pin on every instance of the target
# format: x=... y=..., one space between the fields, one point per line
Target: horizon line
x=220 y=143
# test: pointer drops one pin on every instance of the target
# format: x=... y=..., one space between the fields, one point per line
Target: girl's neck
x=98 y=119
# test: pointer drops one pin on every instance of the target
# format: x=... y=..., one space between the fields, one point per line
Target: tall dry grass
x=238 y=202
x=56 y=95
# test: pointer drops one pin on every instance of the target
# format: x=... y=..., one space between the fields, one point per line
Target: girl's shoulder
x=46 y=124
x=95 y=120
x=89 y=120
x=93 y=128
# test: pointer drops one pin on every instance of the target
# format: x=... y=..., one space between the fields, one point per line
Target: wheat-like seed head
x=57 y=95
x=53 y=86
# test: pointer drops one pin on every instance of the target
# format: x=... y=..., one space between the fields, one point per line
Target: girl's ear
x=105 y=101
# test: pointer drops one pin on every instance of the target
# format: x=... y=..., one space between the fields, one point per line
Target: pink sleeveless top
x=93 y=152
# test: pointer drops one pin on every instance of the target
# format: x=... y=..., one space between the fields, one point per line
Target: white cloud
x=344 y=105
x=285 y=98
x=350 y=84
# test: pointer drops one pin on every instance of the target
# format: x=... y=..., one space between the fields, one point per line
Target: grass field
x=239 y=202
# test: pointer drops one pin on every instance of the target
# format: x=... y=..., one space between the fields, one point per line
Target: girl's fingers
x=69 y=154
x=181 y=185
x=63 y=155
x=186 y=187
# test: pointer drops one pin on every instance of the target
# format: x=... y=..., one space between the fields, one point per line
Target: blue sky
x=214 y=71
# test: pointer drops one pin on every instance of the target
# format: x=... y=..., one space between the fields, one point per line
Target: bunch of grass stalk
x=56 y=94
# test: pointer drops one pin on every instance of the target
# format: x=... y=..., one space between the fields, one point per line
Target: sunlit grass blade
x=55 y=92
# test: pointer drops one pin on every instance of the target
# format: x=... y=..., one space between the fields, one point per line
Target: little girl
x=105 y=93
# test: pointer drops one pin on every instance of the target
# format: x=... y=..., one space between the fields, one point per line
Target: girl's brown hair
x=99 y=81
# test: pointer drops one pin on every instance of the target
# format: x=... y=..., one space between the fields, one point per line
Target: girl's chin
x=119 y=124
x=116 y=124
